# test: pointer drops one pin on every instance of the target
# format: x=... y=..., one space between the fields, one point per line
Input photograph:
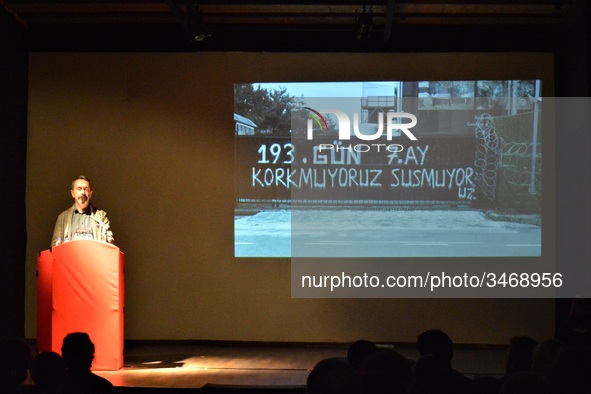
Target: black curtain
x=13 y=150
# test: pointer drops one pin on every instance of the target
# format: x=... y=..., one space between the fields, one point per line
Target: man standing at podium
x=82 y=220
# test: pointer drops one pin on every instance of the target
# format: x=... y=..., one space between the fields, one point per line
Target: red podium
x=80 y=288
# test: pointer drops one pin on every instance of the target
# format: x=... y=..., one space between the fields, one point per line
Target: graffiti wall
x=425 y=171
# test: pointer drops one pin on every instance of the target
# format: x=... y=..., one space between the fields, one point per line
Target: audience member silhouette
x=576 y=329
x=15 y=360
x=386 y=372
x=572 y=372
x=434 y=375
x=439 y=347
x=482 y=385
x=437 y=343
x=359 y=351
x=520 y=355
x=333 y=376
x=546 y=356
x=524 y=382
x=48 y=373
x=78 y=354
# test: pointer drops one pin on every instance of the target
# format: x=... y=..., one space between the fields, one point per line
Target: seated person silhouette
x=359 y=351
x=15 y=359
x=48 y=372
x=436 y=350
x=78 y=354
x=333 y=375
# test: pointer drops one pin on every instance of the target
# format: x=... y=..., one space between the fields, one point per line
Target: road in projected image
x=385 y=233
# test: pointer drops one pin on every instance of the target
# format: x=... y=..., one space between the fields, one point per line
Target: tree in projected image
x=270 y=110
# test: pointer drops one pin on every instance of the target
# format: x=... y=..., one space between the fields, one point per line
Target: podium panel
x=85 y=281
x=44 y=300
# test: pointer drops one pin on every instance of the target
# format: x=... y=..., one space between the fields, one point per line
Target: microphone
x=104 y=227
x=98 y=221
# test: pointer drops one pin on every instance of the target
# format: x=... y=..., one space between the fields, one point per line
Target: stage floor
x=198 y=366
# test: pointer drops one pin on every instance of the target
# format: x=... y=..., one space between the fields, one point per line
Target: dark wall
x=573 y=68
x=13 y=153
x=573 y=71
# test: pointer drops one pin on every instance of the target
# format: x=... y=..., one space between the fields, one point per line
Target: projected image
x=388 y=169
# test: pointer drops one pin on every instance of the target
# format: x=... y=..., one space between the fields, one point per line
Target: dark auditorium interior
x=138 y=95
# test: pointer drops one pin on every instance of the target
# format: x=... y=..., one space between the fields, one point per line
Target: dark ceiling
x=391 y=25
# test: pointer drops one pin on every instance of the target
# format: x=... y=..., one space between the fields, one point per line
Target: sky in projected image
x=318 y=176
x=339 y=89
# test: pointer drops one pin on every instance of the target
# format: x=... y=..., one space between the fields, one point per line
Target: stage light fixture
x=363 y=25
x=198 y=30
